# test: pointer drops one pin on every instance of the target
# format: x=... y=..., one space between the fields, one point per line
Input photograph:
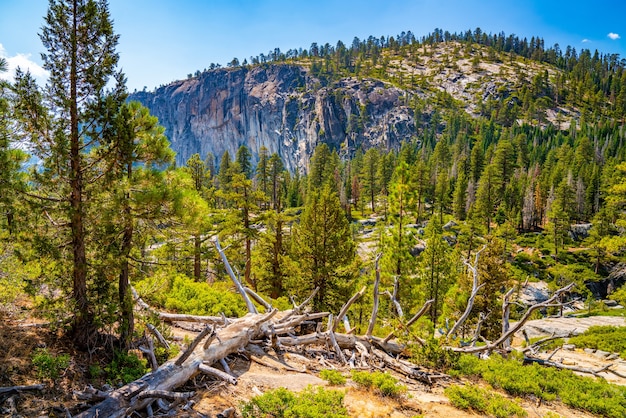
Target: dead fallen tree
x=280 y=331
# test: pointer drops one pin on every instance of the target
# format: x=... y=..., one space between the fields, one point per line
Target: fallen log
x=170 y=375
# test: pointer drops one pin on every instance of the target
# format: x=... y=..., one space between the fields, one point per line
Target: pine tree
x=324 y=246
x=81 y=59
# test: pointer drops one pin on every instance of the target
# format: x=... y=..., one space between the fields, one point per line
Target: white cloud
x=25 y=62
x=585 y=41
x=614 y=36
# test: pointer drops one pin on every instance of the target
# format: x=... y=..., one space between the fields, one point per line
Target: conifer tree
x=324 y=246
x=81 y=58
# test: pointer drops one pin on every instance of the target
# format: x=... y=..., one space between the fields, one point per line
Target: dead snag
x=417 y=316
x=372 y=323
x=475 y=288
x=492 y=345
x=238 y=285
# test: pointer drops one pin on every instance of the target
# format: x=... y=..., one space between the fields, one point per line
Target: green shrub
x=333 y=377
x=384 y=383
x=584 y=393
x=180 y=293
x=483 y=401
x=124 y=368
x=605 y=338
x=433 y=355
x=49 y=366
x=310 y=403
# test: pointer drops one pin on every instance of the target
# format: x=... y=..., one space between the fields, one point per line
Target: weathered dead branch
x=518 y=325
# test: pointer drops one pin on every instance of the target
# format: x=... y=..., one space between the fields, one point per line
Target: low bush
x=310 y=403
x=50 y=366
x=182 y=294
x=124 y=368
x=584 y=393
x=483 y=401
x=333 y=377
x=605 y=338
x=383 y=383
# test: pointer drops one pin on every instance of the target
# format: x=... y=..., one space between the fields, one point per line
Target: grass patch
x=483 y=401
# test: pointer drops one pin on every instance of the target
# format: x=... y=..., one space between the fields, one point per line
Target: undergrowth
x=548 y=384
x=483 y=401
x=310 y=403
x=383 y=383
x=605 y=338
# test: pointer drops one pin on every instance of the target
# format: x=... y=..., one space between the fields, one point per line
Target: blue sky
x=164 y=40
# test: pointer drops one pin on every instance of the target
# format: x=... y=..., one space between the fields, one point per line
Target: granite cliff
x=282 y=107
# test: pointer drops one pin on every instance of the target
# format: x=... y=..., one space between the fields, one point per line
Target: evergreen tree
x=243 y=158
x=370 y=175
x=81 y=59
x=324 y=246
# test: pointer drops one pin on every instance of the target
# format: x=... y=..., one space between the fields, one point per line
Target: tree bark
x=170 y=375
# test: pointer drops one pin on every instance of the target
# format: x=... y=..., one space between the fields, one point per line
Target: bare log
x=238 y=285
x=212 y=371
x=594 y=372
x=158 y=336
x=372 y=323
x=10 y=389
x=417 y=316
x=171 y=317
x=206 y=331
x=258 y=299
x=333 y=340
x=164 y=394
x=475 y=288
x=170 y=375
x=345 y=308
x=518 y=325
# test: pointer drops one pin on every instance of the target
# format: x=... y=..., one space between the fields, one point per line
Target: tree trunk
x=82 y=324
x=197 y=267
x=171 y=376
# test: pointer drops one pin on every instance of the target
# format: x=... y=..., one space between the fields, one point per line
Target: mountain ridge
x=374 y=99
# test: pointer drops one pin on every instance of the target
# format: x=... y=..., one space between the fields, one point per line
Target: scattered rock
x=579 y=232
x=613 y=356
x=535 y=293
x=601 y=354
x=610 y=303
x=589 y=350
x=449 y=225
x=569 y=347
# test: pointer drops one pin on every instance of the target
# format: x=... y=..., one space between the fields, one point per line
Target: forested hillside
x=489 y=162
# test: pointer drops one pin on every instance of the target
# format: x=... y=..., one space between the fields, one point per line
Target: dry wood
x=344 y=309
x=238 y=285
x=158 y=336
x=150 y=352
x=417 y=316
x=212 y=371
x=475 y=288
x=333 y=340
x=206 y=331
x=492 y=345
x=258 y=299
x=170 y=375
x=506 y=313
x=164 y=394
x=9 y=389
x=372 y=323
x=171 y=317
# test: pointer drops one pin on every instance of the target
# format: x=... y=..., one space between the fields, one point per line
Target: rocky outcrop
x=282 y=107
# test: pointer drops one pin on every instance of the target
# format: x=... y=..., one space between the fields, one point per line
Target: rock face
x=282 y=107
